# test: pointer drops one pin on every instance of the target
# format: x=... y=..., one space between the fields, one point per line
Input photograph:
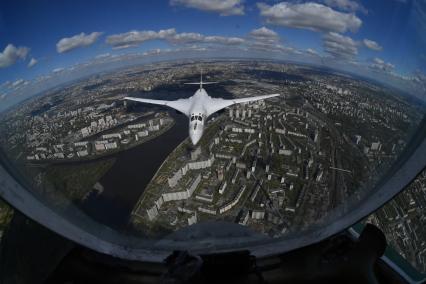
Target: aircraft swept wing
x=182 y=105
x=217 y=104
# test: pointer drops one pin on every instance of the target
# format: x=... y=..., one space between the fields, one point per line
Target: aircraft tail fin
x=201 y=83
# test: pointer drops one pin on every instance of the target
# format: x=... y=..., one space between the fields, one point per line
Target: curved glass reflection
x=280 y=166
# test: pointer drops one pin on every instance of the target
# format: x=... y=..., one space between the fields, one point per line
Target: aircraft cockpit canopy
x=196 y=117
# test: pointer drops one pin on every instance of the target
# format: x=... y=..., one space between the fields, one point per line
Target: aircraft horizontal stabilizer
x=198 y=83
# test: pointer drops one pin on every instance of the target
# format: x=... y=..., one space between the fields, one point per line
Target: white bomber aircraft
x=199 y=107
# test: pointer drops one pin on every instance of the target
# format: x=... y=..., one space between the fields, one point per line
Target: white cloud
x=346 y=5
x=69 y=43
x=192 y=48
x=267 y=40
x=265 y=46
x=158 y=51
x=124 y=46
x=133 y=38
x=223 y=7
x=264 y=34
x=11 y=54
x=190 y=38
x=311 y=16
x=18 y=83
x=42 y=78
x=371 y=44
x=378 y=60
x=381 y=65
x=152 y=52
x=103 y=55
x=32 y=62
x=186 y=38
x=340 y=46
x=3 y=96
x=312 y=52
x=57 y=70
x=223 y=40
x=262 y=38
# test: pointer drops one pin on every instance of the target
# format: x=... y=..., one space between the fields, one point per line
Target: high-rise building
x=220 y=173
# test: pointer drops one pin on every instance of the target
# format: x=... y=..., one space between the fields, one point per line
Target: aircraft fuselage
x=197 y=115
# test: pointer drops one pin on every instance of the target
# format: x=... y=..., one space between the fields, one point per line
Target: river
x=133 y=169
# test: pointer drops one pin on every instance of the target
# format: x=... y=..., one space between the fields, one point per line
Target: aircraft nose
x=195 y=137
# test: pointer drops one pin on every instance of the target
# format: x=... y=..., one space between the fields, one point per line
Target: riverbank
x=105 y=154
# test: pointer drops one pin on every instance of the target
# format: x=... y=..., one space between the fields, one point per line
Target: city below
x=277 y=166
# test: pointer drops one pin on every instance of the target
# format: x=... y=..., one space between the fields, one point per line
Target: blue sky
x=382 y=39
